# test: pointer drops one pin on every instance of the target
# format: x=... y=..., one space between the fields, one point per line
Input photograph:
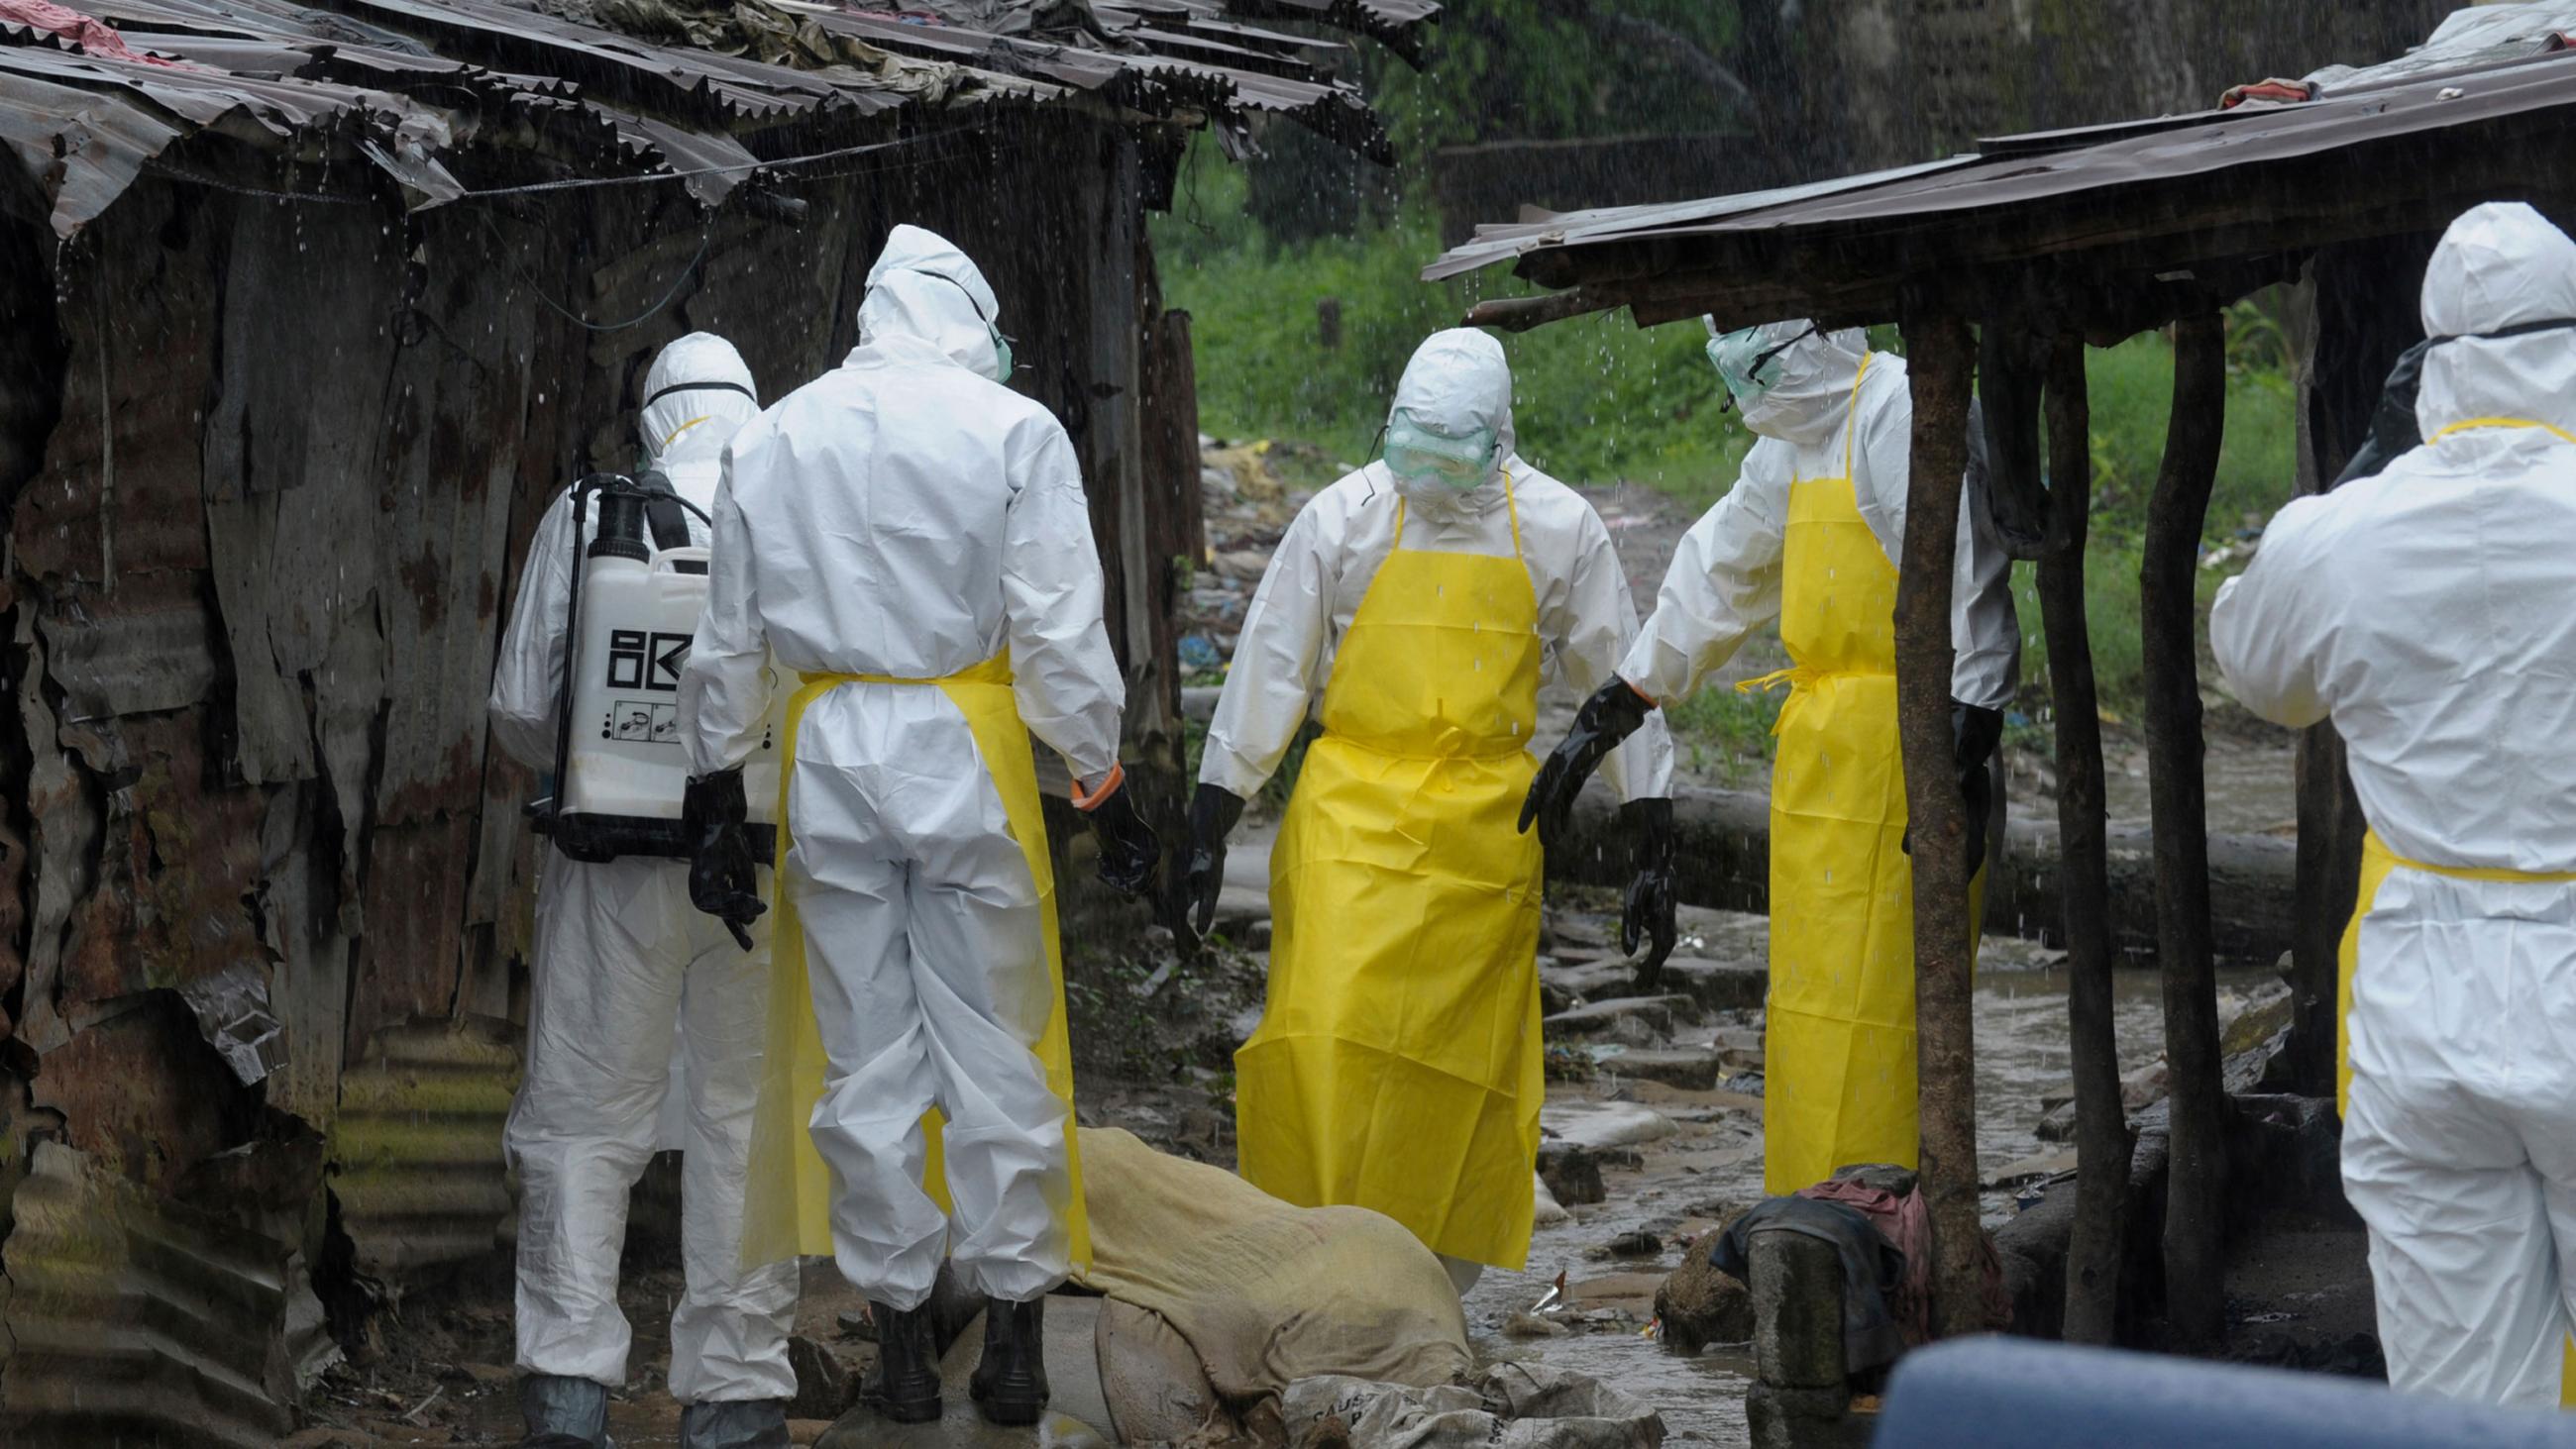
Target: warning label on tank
x=641 y=660
x=634 y=718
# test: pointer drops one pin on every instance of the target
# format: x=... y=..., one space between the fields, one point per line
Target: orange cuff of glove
x=1641 y=694
x=1108 y=787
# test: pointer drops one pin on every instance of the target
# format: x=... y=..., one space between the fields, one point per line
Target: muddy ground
x=1159 y=1032
x=1155 y=1036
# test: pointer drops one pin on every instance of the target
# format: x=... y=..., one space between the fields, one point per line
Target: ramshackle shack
x=306 y=312
x=2001 y=266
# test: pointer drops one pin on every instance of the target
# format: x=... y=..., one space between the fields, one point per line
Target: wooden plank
x=2195 y=1199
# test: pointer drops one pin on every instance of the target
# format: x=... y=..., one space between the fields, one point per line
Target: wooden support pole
x=2354 y=311
x=2102 y=1143
x=2195 y=1245
x=1941 y=363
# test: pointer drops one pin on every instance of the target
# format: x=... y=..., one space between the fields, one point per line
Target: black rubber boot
x=905 y=1385
x=735 y=1424
x=1011 y=1383
x=563 y=1413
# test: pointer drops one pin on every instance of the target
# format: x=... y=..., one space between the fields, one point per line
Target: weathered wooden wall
x=281 y=469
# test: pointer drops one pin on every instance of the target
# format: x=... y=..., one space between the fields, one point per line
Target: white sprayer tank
x=626 y=758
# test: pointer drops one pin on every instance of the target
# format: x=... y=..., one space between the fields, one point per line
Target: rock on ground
x=1700 y=1305
x=1572 y=1174
x=824 y=1385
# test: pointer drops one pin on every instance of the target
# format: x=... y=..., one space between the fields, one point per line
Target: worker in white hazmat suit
x=1418 y=604
x=1811 y=535
x=910 y=539
x=619 y=956
x=2430 y=612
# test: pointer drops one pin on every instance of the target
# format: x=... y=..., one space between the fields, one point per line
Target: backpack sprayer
x=637 y=591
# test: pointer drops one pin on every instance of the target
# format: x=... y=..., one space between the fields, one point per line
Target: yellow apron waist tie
x=1800 y=679
x=2372 y=845
x=788 y=1191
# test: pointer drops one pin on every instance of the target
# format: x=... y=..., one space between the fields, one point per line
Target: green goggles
x=1747 y=366
x=1417 y=454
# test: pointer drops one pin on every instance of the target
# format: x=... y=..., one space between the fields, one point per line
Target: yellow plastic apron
x=2377 y=860
x=1838 y=1055
x=787 y=1200
x=1399 y=1064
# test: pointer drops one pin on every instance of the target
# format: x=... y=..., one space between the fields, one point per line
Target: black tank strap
x=663 y=513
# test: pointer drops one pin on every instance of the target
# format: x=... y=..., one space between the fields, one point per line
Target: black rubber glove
x=1974 y=733
x=1652 y=896
x=1128 y=849
x=723 y=881
x=1214 y=811
x=1978 y=731
x=1612 y=714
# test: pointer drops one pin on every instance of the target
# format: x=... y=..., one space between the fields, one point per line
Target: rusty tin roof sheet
x=2128 y=201
x=424 y=93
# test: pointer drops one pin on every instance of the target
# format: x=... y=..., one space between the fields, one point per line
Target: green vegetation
x=1599 y=401
x=2131 y=392
x=1722 y=730
x=1595 y=400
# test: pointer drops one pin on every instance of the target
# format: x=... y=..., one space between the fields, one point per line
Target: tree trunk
x=2195 y=1246
x=2084 y=867
x=1941 y=363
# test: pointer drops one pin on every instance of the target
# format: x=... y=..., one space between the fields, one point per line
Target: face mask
x=1746 y=364
x=1416 y=454
x=1002 y=348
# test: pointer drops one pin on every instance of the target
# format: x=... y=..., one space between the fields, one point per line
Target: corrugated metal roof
x=424 y=92
x=416 y=1152
x=2120 y=204
x=136 y=1319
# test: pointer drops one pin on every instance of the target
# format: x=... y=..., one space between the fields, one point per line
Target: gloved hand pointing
x=1613 y=713
x=724 y=881
x=1214 y=811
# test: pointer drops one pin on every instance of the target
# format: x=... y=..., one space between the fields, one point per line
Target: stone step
x=1718 y=985
x=1656 y=1013
x=1693 y=1068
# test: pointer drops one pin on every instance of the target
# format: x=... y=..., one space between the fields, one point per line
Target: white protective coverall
x=1361 y=1033
x=620 y=956
x=906 y=516
x=2430 y=611
x=1724 y=582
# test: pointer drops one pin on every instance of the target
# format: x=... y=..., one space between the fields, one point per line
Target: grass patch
x=2130 y=389
x=1594 y=400
x=1721 y=730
